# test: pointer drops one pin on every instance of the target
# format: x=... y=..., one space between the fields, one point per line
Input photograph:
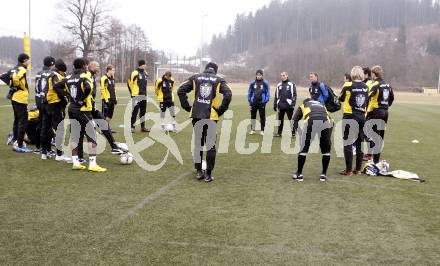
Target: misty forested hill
x=330 y=36
x=10 y=47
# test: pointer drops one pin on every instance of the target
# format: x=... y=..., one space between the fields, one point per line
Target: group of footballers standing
x=364 y=95
x=58 y=92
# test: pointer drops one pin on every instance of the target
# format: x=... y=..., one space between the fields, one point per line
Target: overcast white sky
x=173 y=26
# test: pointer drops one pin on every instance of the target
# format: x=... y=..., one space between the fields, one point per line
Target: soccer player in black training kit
x=92 y=68
x=381 y=98
x=205 y=112
x=108 y=94
x=19 y=96
x=79 y=85
x=317 y=123
x=137 y=85
x=164 y=88
x=284 y=103
x=53 y=110
x=354 y=96
x=258 y=97
x=102 y=123
x=41 y=84
x=33 y=129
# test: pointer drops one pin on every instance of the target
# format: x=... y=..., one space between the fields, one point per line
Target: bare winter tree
x=125 y=46
x=86 y=22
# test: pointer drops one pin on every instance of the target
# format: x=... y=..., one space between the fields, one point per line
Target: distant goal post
x=430 y=90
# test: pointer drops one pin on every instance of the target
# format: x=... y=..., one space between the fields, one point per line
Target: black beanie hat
x=141 y=62
x=60 y=65
x=259 y=71
x=49 y=61
x=22 y=58
x=213 y=66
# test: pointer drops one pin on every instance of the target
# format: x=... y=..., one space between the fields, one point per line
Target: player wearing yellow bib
x=317 y=123
x=53 y=104
x=80 y=110
x=137 y=85
x=381 y=98
x=19 y=99
x=208 y=106
x=354 y=97
x=108 y=93
x=164 y=88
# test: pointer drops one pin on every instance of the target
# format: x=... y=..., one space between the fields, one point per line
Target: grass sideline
x=252 y=214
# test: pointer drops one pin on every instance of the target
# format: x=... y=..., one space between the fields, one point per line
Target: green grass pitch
x=253 y=213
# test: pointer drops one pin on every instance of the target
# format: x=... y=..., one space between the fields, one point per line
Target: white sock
x=92 y=161
x=75 y=160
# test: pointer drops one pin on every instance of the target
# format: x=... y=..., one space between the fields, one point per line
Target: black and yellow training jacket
x=52 y=95
x=19 y=81
x=137 y=83
x=207 y=89
x=381 y=95
x=80 y=86
x=108 y=89
x=354 y=97
x=164 y=89
x=310 y=110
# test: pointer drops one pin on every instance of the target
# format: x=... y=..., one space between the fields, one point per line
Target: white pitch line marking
x=259 y=249
x=151 y=197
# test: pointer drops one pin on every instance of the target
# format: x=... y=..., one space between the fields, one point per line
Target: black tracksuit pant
x=20 y=121
x=381 y=114
x=39 y=103
x=261 y=109
x=355 y=140
x=322 y=129
x=313 y=128
x=52 y=118
x=139 y=104
x=99 y=118
x=205 y=141
x=33 y=131
x=281 y=114
x=83 y=128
